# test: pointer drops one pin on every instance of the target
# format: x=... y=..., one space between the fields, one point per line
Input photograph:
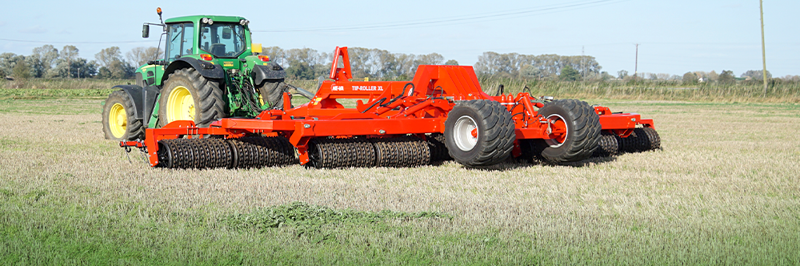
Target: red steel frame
x=383 y=109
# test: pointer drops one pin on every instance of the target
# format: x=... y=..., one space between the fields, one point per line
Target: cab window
x=223 y=39
x=180 y=40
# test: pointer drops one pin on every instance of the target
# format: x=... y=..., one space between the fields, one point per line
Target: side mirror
x=226 y=33
x=145 y=31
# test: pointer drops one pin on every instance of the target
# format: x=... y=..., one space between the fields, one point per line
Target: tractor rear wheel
x=581 y=131
x=479 y=133
x=119 y=121
x=272 y=93
x=187 y=95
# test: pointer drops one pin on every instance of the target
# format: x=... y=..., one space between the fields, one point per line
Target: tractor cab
x=223 y=37
x=221 y=40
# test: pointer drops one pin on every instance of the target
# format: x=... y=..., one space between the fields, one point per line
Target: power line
x=457 y=20
x=29 y=41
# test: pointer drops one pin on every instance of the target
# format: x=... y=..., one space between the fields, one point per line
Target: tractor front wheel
x=479 y=133
x=574 y=131
x=187 y=95
x=119 y=121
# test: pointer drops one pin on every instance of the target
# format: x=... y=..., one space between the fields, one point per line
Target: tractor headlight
x=207 y=21
x=244 y=22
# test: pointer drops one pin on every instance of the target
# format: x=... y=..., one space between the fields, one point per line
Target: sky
x=674 y=37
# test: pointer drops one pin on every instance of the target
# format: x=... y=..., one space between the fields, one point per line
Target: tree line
x=301 y=63
x=49 y=62
x=305 y=63
x=546 y=66
x=373 y=63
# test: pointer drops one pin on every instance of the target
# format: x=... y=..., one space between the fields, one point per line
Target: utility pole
x=636 y=65
x=763 y=48
x=583 y=63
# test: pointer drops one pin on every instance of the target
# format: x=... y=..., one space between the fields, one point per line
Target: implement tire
x=119 y=121
x=272 y=93
x=583 y=131
x=479 y=133
x=187 y=95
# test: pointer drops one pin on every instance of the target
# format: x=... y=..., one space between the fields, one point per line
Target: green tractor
x=210 y=70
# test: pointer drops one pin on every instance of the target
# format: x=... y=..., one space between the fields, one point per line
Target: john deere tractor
x=210 y=70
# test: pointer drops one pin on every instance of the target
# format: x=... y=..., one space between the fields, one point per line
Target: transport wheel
x=187 y=95
x=271 y=93
x=479 y=133
x=575 y=131
x=119 y=121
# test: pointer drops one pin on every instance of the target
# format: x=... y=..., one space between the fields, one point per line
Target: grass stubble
x=724 y=190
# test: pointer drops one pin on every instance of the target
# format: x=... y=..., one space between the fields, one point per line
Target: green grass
x=41 y=227
x=32 y=94
x=57 y=232
x=51 y=106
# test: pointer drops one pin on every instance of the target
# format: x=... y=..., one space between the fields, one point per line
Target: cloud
x=35 y=29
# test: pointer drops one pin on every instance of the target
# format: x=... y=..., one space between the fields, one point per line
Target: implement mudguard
x=270 y=71
x=206 y=69
x=144 y=99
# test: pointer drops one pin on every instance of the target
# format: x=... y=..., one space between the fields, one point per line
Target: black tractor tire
x=608 y=145
x=127 y=127
x=495 y=133
x=272 y=93
x=583 y=131
x=209 y=104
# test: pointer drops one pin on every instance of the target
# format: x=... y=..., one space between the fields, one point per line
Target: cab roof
x=198 y=17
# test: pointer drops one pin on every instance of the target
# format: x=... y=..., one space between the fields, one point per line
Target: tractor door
x=180 y=40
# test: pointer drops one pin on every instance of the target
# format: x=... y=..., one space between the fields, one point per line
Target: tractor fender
x=206 y=69
x=270 y=71
x=144 y=99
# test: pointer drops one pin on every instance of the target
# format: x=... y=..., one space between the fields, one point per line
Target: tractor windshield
x=223 y=39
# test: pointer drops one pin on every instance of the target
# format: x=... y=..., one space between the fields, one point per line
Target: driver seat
x=218 y=49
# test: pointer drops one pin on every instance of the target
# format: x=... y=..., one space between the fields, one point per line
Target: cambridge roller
x=442 y=114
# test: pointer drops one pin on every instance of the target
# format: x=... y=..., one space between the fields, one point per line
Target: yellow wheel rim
x=117 y=120
x=180 y=105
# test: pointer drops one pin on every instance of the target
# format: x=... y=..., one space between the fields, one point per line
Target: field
x=725 y=189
